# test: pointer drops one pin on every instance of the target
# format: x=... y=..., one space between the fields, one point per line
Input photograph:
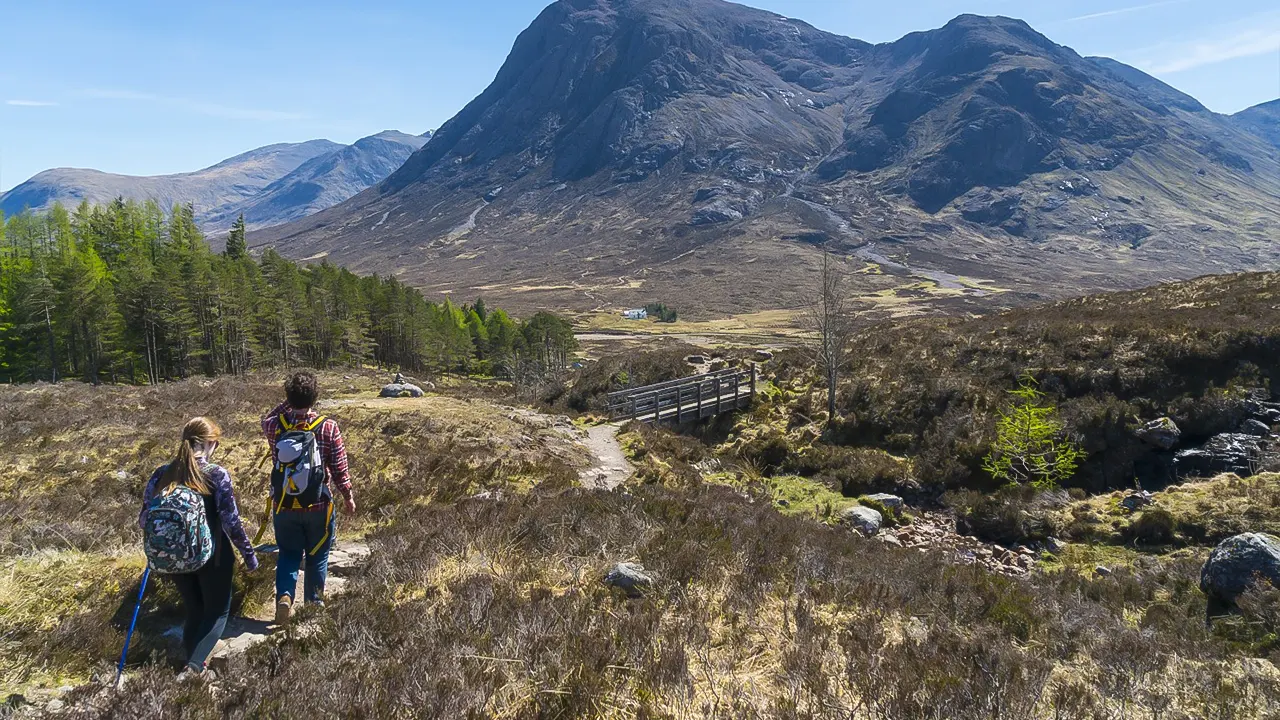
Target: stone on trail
x=863 y=519
x=396 y=390
x=1161 y=432
x=630 y=578
x=1236 y=563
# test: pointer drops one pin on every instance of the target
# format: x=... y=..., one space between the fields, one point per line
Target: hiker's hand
x=350 y=502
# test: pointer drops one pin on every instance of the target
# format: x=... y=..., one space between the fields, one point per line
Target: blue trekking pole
x=132 y=623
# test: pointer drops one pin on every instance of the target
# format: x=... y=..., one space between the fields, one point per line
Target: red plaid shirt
x=328 y=439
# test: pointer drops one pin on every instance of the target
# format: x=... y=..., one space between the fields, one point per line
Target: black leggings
x=206 y=596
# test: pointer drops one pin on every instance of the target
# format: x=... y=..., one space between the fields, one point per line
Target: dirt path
x=609 y=465
x=244 y=632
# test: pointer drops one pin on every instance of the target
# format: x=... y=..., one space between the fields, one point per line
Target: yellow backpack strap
x=284 y=423
x=328 y=521
x=310 y=427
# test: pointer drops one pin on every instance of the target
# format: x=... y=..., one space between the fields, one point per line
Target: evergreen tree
x=124 y=292
x=236 y=247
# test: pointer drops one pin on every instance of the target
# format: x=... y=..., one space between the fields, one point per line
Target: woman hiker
x=206 y=592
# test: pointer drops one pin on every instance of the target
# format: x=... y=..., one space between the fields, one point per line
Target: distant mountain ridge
x=700 y=151
x=1262 y=120
x=323 y=181
x=270 y=185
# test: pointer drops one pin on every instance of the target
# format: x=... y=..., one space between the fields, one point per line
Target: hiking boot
x=284 y=608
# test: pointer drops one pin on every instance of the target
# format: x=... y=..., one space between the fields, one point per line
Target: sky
x=144 y=87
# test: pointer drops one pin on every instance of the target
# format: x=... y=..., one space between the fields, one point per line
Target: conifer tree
x=236 y=247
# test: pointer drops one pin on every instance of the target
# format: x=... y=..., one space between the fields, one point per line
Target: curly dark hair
x=301 y=390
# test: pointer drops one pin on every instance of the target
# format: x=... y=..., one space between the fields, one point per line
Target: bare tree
x=830 y=321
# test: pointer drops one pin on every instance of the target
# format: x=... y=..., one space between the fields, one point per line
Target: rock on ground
x=1137 y=500
x=630 y=578
x=863 y=519
x=1161 y=432
x=395 y=390
x=1228 y=452
x=1234 y=565
x=887 y=500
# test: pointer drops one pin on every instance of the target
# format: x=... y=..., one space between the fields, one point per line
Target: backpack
x=175 y=534
x=299 y=471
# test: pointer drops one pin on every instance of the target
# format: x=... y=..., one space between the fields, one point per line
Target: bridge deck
x=685 y=400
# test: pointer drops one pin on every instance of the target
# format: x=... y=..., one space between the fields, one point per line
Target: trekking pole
x=132 y=624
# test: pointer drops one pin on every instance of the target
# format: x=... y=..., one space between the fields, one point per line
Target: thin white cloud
x=200 y=107
x=30 y=103
x=1259 y=35
x=1127 y=10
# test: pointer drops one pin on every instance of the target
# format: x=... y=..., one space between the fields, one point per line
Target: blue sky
x=148 y=87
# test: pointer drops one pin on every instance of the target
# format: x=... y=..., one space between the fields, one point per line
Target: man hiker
x=309 y=460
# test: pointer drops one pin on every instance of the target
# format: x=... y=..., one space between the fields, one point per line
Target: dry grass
x=77 y=458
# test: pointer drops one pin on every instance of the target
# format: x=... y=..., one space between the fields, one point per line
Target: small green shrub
x=1032 y=447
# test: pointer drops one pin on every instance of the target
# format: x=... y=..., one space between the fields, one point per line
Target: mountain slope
x=1262 y=120
x=697 y=151
x=323 y=181
x=231 y=180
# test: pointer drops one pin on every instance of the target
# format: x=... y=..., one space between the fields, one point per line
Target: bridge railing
x=687 y=399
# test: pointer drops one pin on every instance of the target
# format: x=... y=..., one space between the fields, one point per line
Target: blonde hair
x=185 y=469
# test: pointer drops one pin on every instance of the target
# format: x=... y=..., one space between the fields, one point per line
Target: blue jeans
x=297 y=534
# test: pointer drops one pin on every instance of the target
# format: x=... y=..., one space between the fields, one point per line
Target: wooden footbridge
x=686 y=400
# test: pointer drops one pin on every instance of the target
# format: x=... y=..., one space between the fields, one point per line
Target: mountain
x=323 y=181
x=270 y=185
x=698 y=152
x=233 y=180
x=1262 y=120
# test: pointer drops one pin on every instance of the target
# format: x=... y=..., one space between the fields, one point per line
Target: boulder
x=1161 y=432
x=1053 y=545
x=629 y=577
x=1236 y=564
x=763 y=356
x=1102 y=571
x=1137 y=500
x=1228 y=452
x=695 y=359
x=890 y=501
x=1256 y=428
x=395 y=390
x=863 y=519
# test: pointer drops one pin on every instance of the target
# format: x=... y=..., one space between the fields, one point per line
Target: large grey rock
x=1228 y=452
x=629 y=577
x=1161 y=432
x=395 y=390
x=863 y=519
x=890 y=501
x=1256 y=428
x=1236 y=564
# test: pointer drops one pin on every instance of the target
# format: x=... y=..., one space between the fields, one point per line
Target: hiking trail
x=609 y=464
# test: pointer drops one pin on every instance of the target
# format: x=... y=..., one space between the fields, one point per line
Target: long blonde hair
x=185 y=469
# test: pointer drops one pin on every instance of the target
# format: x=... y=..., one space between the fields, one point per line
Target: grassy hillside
x=763 y=605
